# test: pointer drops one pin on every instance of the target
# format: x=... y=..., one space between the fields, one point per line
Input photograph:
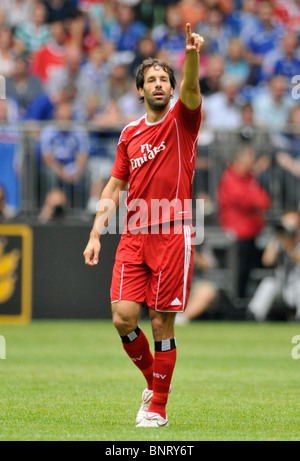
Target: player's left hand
x=193 y=41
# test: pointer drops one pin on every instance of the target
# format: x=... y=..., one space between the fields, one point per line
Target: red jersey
x=242 y=202
x=158 y=161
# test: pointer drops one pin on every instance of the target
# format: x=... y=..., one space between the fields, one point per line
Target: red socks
x=164 y=363
x=158 y=372
x=136 y=345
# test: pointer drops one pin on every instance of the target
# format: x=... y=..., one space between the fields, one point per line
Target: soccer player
x=156 y=158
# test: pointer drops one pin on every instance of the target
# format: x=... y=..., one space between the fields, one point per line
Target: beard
x=157 y=103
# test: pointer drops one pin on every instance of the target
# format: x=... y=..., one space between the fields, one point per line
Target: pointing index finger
x=188 y=30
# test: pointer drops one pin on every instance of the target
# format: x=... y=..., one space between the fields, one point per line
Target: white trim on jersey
x=194 y=150
x=187 y=260
x=121 y=286
x=179 y=158
x=158 y=285
x=134 y=123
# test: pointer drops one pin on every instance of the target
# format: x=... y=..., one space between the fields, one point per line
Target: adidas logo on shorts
x=176 y=302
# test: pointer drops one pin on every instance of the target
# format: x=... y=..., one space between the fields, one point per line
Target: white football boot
x=146 y=400
x=153 y=420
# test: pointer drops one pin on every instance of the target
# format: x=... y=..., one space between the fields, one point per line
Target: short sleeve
x=120 y=169
x=191 y=119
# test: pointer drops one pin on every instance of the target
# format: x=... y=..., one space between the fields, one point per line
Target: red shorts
x=155 y=269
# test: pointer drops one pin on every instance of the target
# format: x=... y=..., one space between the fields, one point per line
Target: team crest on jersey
x=148 y=153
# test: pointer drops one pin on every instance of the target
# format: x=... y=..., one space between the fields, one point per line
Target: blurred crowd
x=75 y=61
x=86 y=52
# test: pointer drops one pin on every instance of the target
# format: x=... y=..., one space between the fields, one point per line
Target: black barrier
x=15 y=273
x=64 y=287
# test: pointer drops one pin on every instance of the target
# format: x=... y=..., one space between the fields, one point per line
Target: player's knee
x=119 y=322
x=162 y=326
x=124 y=322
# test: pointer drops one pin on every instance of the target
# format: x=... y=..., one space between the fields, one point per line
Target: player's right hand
x=91 y=252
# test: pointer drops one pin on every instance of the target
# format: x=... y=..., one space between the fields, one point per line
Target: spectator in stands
x=225 y=6
x=287 y=14
x=130 y=106
x=119 y=81
x=126 y=32
x=49 y=58
x=223 y=109
x=102 y=147
x=10 y=158
x=192 y=11
x=210 y=83
x=101 y=17
x=111 y=117
x=147 y=12
x=68 y=73
x=283 y=253
x=7 y=51
x=250 y=133
x=236 y=63
x=59 y=10
x=206 y=145
x=64 y=155
x=16 y=12
x=80 y=34
x=55 y=206
x=170 y=37
x=288 y=160
x=33 y=34
x=272 y=105
x=43 y=106
x=146 y=48
x=94 y=76
x=284 y=60
x=264 y=38
x=92 y=107
x=242 y=202
x=216 y=32
x=242 y=19
x=23 y=87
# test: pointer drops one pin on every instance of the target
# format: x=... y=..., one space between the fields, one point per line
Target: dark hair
x=151 y=62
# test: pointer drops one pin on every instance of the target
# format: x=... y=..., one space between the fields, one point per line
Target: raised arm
x=190 y=89
x=108 y=204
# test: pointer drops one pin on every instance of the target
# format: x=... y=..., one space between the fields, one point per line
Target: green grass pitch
x=71 y=380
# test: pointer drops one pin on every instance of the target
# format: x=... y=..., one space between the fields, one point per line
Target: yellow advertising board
x=15 y=274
